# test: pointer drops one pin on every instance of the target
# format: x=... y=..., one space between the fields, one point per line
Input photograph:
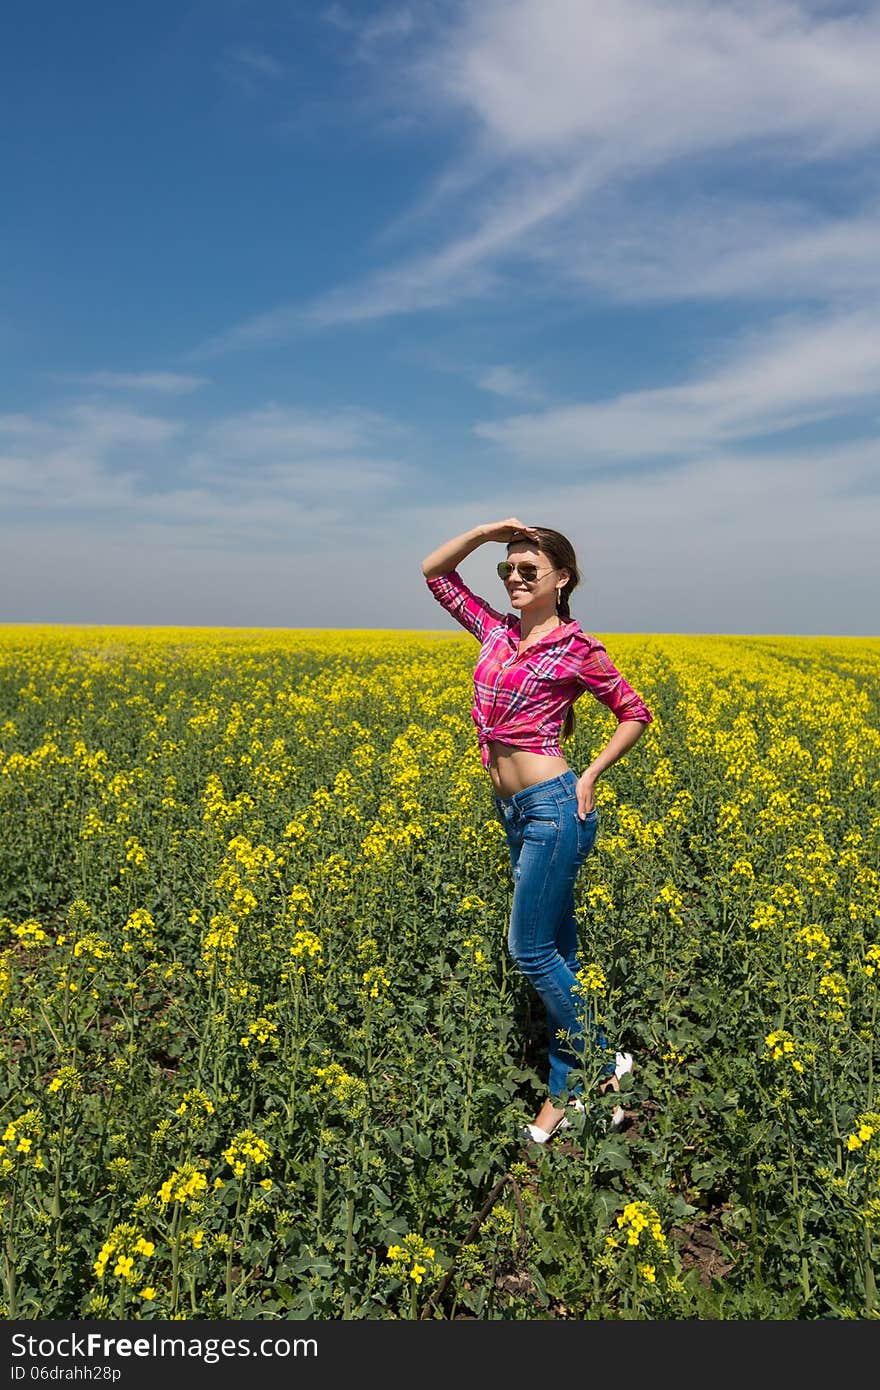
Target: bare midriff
x=513 y=769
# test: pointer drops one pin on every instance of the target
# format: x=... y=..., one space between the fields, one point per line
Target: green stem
x=292 y=1061
x=468 y=1065
x=753 y=1217
x=368 y=1050
x=349 y=1247
x=56 y=1182
x=873 y=1034
x=229 y=1254
x=319 y=1196
x=9 y=1263
x=175 y=1257
x=799 y=1218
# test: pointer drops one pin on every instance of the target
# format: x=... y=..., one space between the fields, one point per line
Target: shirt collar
x=553 y=636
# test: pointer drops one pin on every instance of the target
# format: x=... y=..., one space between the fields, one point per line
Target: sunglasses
x=524 y=568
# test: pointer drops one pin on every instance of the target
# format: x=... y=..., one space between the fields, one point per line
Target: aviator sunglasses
x=524 y=568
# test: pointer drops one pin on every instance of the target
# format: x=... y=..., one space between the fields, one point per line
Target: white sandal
x=623 y=1065
x=540 y=1136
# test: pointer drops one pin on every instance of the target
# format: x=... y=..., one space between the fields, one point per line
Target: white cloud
x=562 y=103
x=274 y=429
x=797 y=373
x=84 y=458
x=256 y=60
x=250 y=68
x=657 y=79
x=160 y=383
x=382 y=26
x=645 y=248
x=504 y=380
x=104 y=428
x=253 y=475
x=436 y=280
x=768 y=543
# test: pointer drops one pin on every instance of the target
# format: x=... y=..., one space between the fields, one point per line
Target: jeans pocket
x=545 y=813
x=586 y=831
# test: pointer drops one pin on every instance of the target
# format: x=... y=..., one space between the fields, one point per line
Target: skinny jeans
x=548 y=843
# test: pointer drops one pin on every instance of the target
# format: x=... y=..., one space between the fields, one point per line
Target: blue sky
x=294 y=292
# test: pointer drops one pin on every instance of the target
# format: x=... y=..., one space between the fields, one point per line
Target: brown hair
x=560 y=550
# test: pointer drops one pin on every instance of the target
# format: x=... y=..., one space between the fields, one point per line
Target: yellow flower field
x=265 y=1055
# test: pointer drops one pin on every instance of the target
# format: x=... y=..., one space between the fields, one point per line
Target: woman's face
x=538 y=593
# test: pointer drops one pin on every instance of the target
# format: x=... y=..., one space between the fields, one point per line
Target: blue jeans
x=548 y=843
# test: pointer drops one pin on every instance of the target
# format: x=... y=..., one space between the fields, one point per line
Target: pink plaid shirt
x=523 y=700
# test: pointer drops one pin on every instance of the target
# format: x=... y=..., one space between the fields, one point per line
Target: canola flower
x=871 y=964
x=219 y=834
x=20 y=1143
x=123 y=1254
x=592 y=980
x=261 y=1030
x=186 y=1185
x=780 y=1046
x=639 y=1224
x=478 y=954
x=139 y=930
x=349 y=1091
x=91 y=944
x=638 y=1244
x=6 y=974
x=28 y=933
x=306 y=945
x=375 y=982
x=195 y=1109
x=246 y=1151
x=411 y=1260
x=867 y=1129
x=66 y=1079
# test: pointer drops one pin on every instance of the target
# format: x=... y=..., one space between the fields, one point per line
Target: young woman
x=533 y=665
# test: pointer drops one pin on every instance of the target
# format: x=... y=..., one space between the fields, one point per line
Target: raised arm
x=449 y=556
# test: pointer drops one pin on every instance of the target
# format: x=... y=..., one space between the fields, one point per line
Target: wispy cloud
x=343 y=454
x=285 y=431
x=372 y=33
x=159 y=383
x=248 y=475
x=256 y=60
x=705 y=246
x=432 y=281
x=503 y=380
x=767 y=542
x=800 y=372
x=83 y=458
x=559 y=107
x=250 y=68
x=547 y=75
x=722 y=544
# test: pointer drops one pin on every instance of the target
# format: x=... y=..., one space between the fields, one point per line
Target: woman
x=530 y=670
